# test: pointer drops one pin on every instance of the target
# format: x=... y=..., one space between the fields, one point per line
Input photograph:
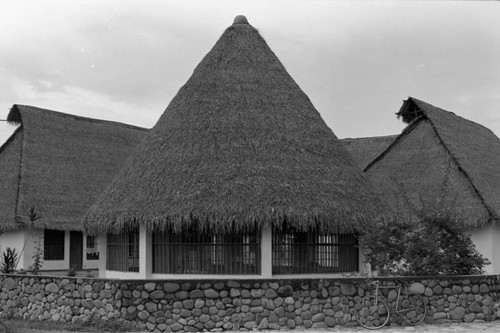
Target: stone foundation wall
x=233 y=305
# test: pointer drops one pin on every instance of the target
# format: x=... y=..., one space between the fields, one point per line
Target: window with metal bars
x=53 y=244
x=92 y=248
x=123 y=252
x=206 y=253
x=297 y=252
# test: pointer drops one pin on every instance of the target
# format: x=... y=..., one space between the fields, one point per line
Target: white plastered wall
x=16 y=240
x=24 y=242
x=487 y=242
x=495 y=255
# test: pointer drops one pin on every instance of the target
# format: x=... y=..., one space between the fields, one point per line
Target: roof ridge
x=406 y=130
x=11 y=119
x=368 y=138
x=416 y=100
x=19 y=176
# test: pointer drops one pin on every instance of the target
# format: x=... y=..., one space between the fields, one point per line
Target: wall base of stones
x=220 y=305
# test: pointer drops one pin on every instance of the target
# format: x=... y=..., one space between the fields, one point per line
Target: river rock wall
x=201 y=305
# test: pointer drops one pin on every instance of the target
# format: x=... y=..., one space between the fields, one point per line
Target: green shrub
x=37 y=258
x=434 y=246
x=9 y=260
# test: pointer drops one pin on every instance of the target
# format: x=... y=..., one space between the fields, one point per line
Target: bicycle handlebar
x=372 y=282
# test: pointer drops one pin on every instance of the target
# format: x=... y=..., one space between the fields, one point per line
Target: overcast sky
x=357 y=61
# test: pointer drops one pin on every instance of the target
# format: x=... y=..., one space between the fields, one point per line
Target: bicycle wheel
x=373 y=314
x=412 y=309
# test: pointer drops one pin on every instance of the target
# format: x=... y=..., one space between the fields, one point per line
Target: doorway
x=76 y=250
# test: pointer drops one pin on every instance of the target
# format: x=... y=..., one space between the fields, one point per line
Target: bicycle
x=374 y=312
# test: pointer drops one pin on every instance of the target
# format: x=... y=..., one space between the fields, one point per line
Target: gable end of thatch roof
x=58 y=163
x=15 y=176
x=457 y=161
x=414 y=111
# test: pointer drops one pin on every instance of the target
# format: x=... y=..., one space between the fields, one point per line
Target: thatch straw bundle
x=239 y=145
x=441 y=164
x=365 y=150
x=10 y=158
x=56 y=164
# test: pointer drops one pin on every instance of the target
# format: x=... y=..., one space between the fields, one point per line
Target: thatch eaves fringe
x=240 y=145
x=57 y=164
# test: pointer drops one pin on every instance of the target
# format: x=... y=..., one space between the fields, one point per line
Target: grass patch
x=93 y=325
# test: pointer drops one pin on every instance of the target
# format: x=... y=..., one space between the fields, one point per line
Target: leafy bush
x=9 y=260
x=434 y=246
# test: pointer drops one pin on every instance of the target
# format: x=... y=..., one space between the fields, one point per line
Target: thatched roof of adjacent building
x=240 y=145
x=365 y=150
x=441 y=165
x=56 y=164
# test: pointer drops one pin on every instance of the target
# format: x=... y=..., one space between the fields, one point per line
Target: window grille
x=92 y=248
x=296 y=252
x=123 y=252
x=205 y=253
x=53 y=244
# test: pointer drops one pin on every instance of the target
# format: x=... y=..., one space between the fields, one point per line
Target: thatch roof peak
x=55 y=165
x=240 y=19
x=240 y=145
x=414 y=108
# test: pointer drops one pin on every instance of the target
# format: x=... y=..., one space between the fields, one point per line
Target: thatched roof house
x=440 y=164
x=365 y=150
x=240 y=145
x=56 y=164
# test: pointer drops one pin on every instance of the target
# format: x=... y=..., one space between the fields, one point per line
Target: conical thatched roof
x=440 y=164
x=56 y=164
x=238 y=146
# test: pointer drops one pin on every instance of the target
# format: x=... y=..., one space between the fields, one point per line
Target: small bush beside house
x=431 y=247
